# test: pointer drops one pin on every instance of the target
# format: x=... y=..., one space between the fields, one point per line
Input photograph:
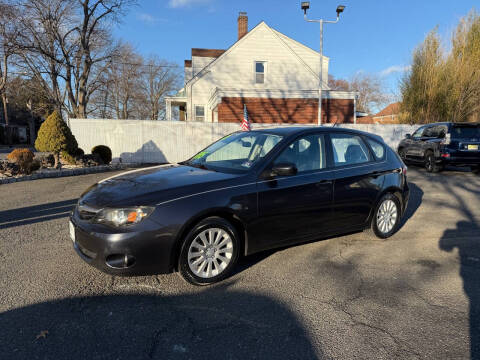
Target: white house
x=275 y=76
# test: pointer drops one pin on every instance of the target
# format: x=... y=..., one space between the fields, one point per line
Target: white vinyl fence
x=145 y=141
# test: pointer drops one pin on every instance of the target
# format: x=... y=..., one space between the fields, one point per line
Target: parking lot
x=415 y=295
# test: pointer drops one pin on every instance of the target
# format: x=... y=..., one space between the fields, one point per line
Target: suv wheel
x=403 y=155
x=209 y=252
x=430 y=163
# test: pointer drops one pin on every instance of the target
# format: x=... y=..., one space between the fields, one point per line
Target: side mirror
x=246 y=144
x=408 y=136
x=284 y=169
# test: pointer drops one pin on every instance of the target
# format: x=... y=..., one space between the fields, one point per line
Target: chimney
x=242 y=24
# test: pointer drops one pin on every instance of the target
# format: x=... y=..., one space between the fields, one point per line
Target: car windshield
x=466 y=132
x=235 y=153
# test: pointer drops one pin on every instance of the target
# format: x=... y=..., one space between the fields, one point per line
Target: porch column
x=168 y=110
x=355 y=109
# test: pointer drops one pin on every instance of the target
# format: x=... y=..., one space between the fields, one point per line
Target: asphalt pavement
x=413 y=296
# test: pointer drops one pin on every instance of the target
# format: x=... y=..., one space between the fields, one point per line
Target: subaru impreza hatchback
x=247 y=192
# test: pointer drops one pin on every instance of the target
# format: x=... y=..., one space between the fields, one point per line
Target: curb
x=69 y=172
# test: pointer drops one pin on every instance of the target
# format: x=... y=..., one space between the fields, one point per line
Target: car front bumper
x=143 y=252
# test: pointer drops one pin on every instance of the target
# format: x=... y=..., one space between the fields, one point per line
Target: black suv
x=440 y=144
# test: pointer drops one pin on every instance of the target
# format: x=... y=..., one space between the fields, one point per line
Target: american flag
x=245 y=123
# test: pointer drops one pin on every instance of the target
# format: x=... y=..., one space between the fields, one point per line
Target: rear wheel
x=209 y=252
x=386 y=217
x=430 y=163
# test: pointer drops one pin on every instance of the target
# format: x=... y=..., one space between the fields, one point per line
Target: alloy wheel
x=387 y=216
x=429 y=163
x=210 y=252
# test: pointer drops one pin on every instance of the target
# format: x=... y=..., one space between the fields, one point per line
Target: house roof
x=386 y=116
x=207 y=52
x=391 y=109
x=222 y=53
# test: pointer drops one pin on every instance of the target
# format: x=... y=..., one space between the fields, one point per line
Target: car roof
x=293 y=130
x=453 y=123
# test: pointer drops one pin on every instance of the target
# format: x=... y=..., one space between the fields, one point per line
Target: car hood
x=154 y=185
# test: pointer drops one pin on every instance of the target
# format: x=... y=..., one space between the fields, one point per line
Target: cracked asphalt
x=413 y=296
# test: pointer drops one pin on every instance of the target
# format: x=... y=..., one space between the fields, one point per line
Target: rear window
x=465 y=132
x=378 y=149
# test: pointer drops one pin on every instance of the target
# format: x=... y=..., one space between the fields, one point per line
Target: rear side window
x=378 y=149
x=349 y=149
x=465 y=132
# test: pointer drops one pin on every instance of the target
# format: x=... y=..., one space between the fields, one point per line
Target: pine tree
x=55 y=136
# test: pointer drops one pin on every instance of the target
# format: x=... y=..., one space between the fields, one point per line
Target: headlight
x=126 y=216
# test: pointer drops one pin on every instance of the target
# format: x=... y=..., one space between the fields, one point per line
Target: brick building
x=275 y=76
x=389 y=115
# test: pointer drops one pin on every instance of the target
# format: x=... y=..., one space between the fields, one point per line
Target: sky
x=373 y=36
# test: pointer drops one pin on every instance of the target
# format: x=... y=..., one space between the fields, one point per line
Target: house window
x=199 y=113
x=260 y=72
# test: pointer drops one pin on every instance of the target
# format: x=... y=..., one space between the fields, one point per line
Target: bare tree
x=159 y=79
x=8 y=33
x=371 y=92
x=338 y=84
x=71 y=38
x=41 y=22
x=123 y=83
x=93 y=36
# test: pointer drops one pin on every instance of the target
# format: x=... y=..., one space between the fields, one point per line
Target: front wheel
x=403 y=155
x=209 y=252
x=386 y=217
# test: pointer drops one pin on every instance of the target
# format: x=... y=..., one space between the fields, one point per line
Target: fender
x=223 y=212
x=395 y=190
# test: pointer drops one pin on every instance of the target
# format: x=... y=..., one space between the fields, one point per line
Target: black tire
x=209 y=223
x=403 y=155
x=430 y=163
x=374 y=229
x=476 y=169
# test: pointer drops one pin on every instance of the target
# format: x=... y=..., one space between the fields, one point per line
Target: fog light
x=120 y=261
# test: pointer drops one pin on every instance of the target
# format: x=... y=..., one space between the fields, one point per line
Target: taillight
x=446 y=140
x=404 y=170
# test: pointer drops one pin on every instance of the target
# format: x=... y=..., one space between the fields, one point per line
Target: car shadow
x=36 y=213
x=216 y=323
x=466 y=238
x=414 y=202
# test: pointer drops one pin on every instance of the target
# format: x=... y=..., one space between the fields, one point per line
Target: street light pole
x=305 y=6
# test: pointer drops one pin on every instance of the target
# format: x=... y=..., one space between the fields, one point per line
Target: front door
x=415 y=150
x=294 y=208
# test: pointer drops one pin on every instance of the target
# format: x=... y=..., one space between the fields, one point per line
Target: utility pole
x=305 y=5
